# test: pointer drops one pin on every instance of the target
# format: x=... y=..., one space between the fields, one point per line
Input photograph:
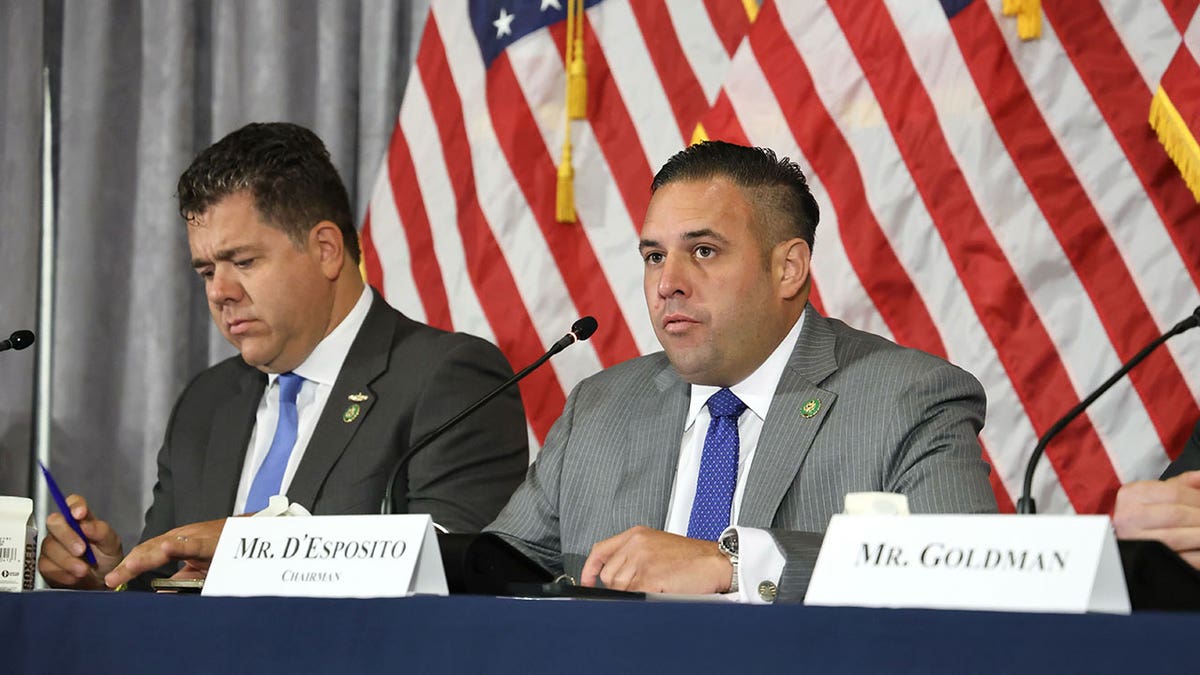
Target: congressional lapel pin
x=351 y=413
x=358 y=398
x=810 y=407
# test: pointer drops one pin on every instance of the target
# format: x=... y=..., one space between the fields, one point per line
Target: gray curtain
x=21 y=23
x=139 y=88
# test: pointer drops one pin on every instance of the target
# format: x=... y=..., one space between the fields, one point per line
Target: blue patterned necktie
x=718 y=468
x=270 y=473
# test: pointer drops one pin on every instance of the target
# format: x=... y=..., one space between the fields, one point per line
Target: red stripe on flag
x=1182 y=84
x=1181 y=12
x=729 y=19
x=1121 y=94
x=1005 y=312
x=722 y=124
x=1076 y=224
x=613 y=128
x=535 y=172
x=493 y=281
x=414 y=221
x=867 y=247
x=679 y=81
x=370 y=256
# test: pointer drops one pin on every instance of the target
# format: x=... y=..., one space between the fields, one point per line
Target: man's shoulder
x=641 y=371
x=411 y=333
x=854 y=346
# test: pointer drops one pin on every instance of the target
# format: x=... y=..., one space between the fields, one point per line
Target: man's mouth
x=676 y=323
x=239 y=326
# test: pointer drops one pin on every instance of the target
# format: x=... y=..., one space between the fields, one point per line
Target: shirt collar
x=325 y=362
x=757 y=390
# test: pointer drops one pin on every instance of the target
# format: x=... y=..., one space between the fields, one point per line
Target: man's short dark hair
x=287 y=171
x=776 y=184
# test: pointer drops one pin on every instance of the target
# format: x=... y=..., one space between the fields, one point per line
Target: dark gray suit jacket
x=890 y=419
x=1189 y=459
x=415 y=377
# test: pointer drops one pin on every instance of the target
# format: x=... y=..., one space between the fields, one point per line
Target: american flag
x=1001 y=202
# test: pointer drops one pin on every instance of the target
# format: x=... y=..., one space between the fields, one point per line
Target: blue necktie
x=718 y=468
x=270 y=474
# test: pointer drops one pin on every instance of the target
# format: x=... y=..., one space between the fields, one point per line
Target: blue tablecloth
x=69 y=632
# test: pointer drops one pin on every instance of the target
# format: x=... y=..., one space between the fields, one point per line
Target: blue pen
x=66 y=511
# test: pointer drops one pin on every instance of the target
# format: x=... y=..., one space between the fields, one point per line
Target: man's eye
x=705 y=251
x=654 y=258
x=243 y=264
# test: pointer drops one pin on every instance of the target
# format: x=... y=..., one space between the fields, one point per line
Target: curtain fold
x=140 y=88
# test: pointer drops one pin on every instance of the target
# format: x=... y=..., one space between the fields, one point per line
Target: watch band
x=727 y=543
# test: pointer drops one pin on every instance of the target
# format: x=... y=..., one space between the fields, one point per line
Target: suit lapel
x=644 y=492
x=791 y=424
x=349 y=404
x=232 y=424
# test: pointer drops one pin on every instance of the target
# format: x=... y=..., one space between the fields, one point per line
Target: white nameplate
x=993 y=562
x=327 y=556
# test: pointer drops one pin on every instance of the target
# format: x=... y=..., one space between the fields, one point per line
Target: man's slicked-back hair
x=776 y=187
x=287 y=171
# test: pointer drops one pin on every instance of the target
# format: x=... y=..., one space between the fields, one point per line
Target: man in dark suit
x=332 y=386
x=759 y=414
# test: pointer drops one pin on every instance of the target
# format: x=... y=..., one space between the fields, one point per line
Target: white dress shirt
x=320 y=371
x=759 y=558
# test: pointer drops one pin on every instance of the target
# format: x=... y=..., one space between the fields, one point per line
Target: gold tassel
x=699 y=134
x=1029 y=20
x=751 y=7
x=576 y=67
x=1011 y=7
x=1177 y=139
x=564 y=202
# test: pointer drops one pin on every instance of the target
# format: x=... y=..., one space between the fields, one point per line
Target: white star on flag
x=551 y=3
x=504 y=23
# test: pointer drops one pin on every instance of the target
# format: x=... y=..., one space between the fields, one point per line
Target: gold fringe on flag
x=1177 y=139
x=699 y=134
x=576 y=65
x=1029 y=17
x=751 y=7
x=1029 y=20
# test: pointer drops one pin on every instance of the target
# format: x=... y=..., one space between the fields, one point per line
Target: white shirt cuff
x=759 y=560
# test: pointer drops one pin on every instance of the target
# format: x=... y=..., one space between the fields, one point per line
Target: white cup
x=18 y=544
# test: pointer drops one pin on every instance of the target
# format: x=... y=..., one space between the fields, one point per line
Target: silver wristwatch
x=727 y=543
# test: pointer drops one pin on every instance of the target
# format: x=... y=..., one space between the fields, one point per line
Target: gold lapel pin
x=810 y=407
x=351 y=413
x=358 y=398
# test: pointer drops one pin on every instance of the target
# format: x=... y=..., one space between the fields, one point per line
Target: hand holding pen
x=62 y=560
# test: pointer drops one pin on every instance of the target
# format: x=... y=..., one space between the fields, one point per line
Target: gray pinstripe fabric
x=890 y=419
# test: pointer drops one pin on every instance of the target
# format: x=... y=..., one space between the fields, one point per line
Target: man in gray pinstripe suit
x=825 y=409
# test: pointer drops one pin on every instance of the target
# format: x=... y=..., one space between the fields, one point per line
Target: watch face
x=729 y=543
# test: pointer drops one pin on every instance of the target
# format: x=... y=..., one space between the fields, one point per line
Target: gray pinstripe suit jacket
x=890 y=418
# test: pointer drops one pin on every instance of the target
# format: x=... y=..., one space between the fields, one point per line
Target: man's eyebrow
x=220 y=256
x=705 y=233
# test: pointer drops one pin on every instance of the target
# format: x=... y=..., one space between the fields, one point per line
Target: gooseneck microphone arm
x=1026 y=504
x=18 y=340
x=580 y=331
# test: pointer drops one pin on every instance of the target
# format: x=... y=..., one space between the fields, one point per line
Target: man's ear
x=326 y=242
x=795 y=267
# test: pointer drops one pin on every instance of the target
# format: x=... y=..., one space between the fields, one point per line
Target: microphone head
x=23 y=338
x=583 y=328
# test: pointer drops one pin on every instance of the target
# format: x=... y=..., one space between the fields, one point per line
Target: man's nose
x=222 y=288
x=674 y=277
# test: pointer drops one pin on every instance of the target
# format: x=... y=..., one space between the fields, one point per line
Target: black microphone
x=23 y=338
x=1025 y=504
x=580 y=331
